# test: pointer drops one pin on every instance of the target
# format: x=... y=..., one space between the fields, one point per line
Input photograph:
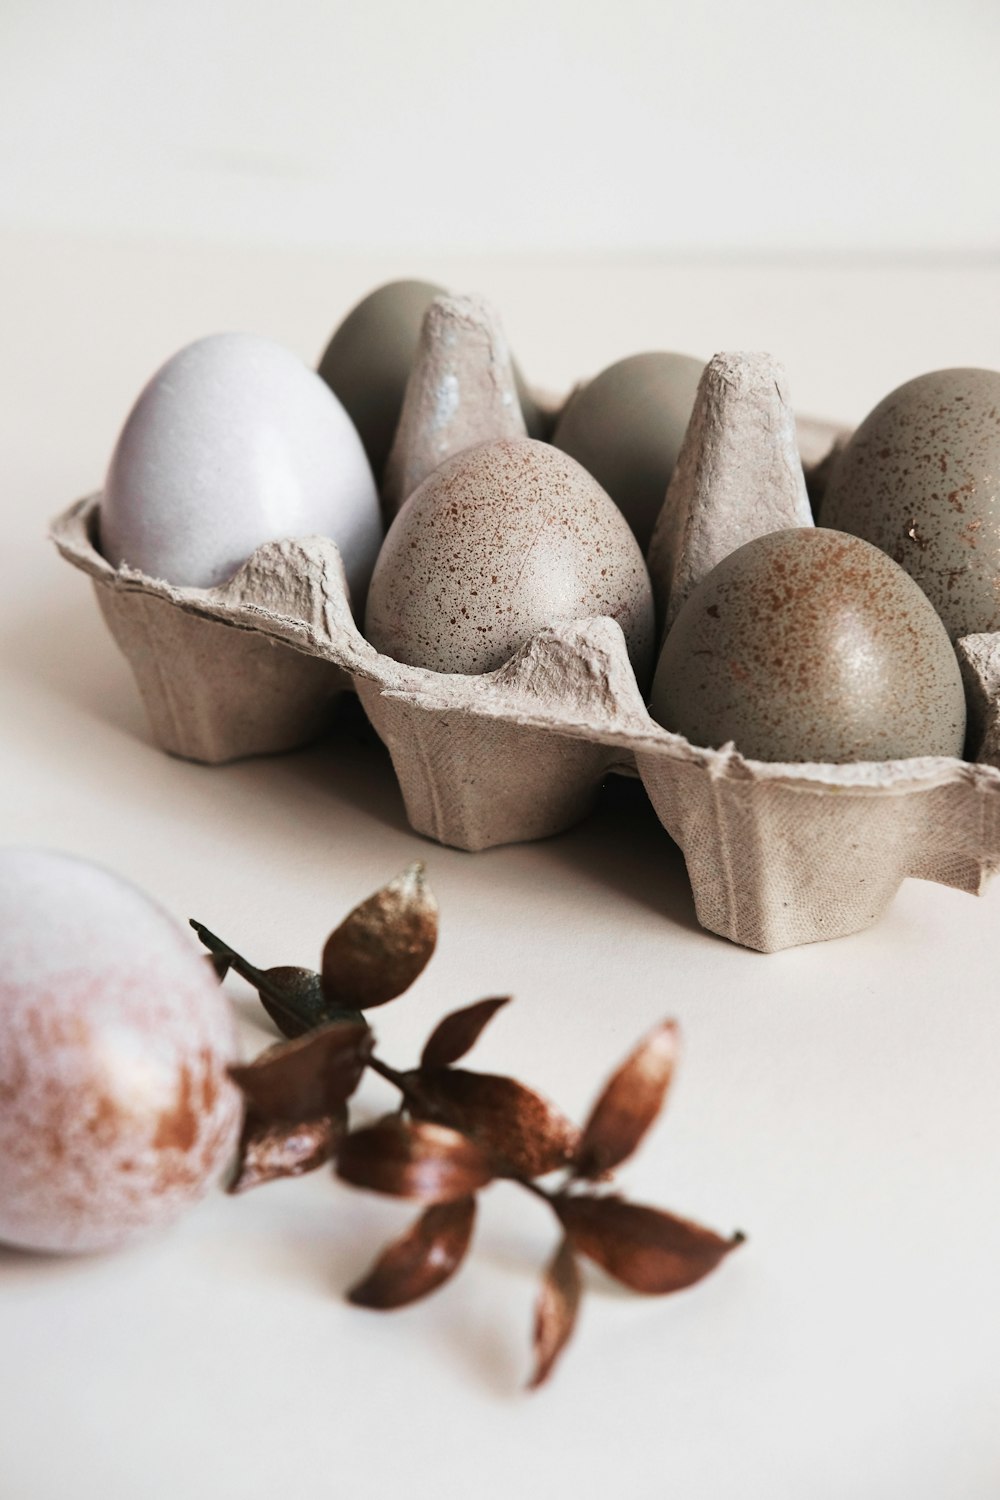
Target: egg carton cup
x=777 y=854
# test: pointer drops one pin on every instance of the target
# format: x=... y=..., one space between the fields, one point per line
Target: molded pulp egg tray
x=776 y=854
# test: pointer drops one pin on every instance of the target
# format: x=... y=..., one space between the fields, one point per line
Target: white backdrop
x=535 y=125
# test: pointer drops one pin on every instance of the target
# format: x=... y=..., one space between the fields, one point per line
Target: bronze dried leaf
x=307 y=1078
x=456 y=1034
x=413 y=1159
x=522 y=1133
x=421 y=1260
x=379 y=950
x=271 y=1150
x=645 y=1248
x=555 y=1311
x=630 y=1103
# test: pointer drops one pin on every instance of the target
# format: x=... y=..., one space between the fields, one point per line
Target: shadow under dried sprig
x=456 y=1130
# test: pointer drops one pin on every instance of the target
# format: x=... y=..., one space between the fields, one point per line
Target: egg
x=920 y=479
x=499 y=542
x=116 y=1112
x=811 y=645
x=626 y=427
x=368 y=360
x=233 y=443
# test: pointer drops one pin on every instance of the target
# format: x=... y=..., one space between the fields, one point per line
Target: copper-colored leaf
x=421 y=1260
x=555 y=1311
x=307 y=1078
x=378 y=951
x=413 y=1159
x=272 y=1150
x=522 y=1133
x=629 y=1104
x=456 y=1034
x=647 y=1249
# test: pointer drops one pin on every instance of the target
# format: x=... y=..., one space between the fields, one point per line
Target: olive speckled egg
x=921 y=479
x=499 y=542
x=368 y=360
x=626 y=427
x=233 y=443
x=116 y=1111
x=811 y=645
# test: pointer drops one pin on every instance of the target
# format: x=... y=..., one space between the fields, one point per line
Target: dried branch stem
x=260 y=981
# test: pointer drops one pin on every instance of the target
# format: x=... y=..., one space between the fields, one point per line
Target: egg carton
x=777 y=854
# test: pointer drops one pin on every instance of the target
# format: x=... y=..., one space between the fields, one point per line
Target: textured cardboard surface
x=738 y=476
x=461 y=391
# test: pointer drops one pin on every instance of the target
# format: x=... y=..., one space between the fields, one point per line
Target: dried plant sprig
x=456 y=1130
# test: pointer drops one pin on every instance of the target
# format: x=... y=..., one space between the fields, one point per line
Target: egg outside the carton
x=626 y=427
x=811 y=645
x=233 y=443
x=368 y=360
x=920 y=479
x=116 y=1111
x=498 y=543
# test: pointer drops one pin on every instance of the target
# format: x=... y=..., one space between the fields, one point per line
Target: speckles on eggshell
x=811 y=645
x=921 y=480
x=500 y=542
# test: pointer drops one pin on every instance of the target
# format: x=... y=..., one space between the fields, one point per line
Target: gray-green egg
x=920 y=479
x=811 y=645
x=626 y=427
x=368 y=360
x=498 y=543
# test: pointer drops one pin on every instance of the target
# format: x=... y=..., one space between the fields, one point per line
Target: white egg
x=116 y=1111
x=233 y=443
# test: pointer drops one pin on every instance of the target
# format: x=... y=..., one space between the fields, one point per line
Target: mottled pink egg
x=116 y=1110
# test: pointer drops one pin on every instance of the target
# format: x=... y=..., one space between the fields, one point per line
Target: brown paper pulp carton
x=777 y=854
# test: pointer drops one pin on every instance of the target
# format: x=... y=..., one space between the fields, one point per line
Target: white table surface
x=839 y=1103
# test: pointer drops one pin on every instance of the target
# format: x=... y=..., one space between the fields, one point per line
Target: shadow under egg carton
x=777 y=854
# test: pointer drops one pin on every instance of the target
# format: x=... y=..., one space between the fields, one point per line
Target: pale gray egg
x=920 y=478
x=233 y=443
x=811 y=645
x=499 y=542
x=626 y=427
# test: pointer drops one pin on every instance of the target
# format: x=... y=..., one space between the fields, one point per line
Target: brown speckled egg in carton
x=777 y=854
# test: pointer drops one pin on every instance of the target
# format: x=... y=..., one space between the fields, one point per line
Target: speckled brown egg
x=116 y=1111
x=499 y=542
x=921 y=479
x=811 y=645
x=626 y=427
x=368 y=360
